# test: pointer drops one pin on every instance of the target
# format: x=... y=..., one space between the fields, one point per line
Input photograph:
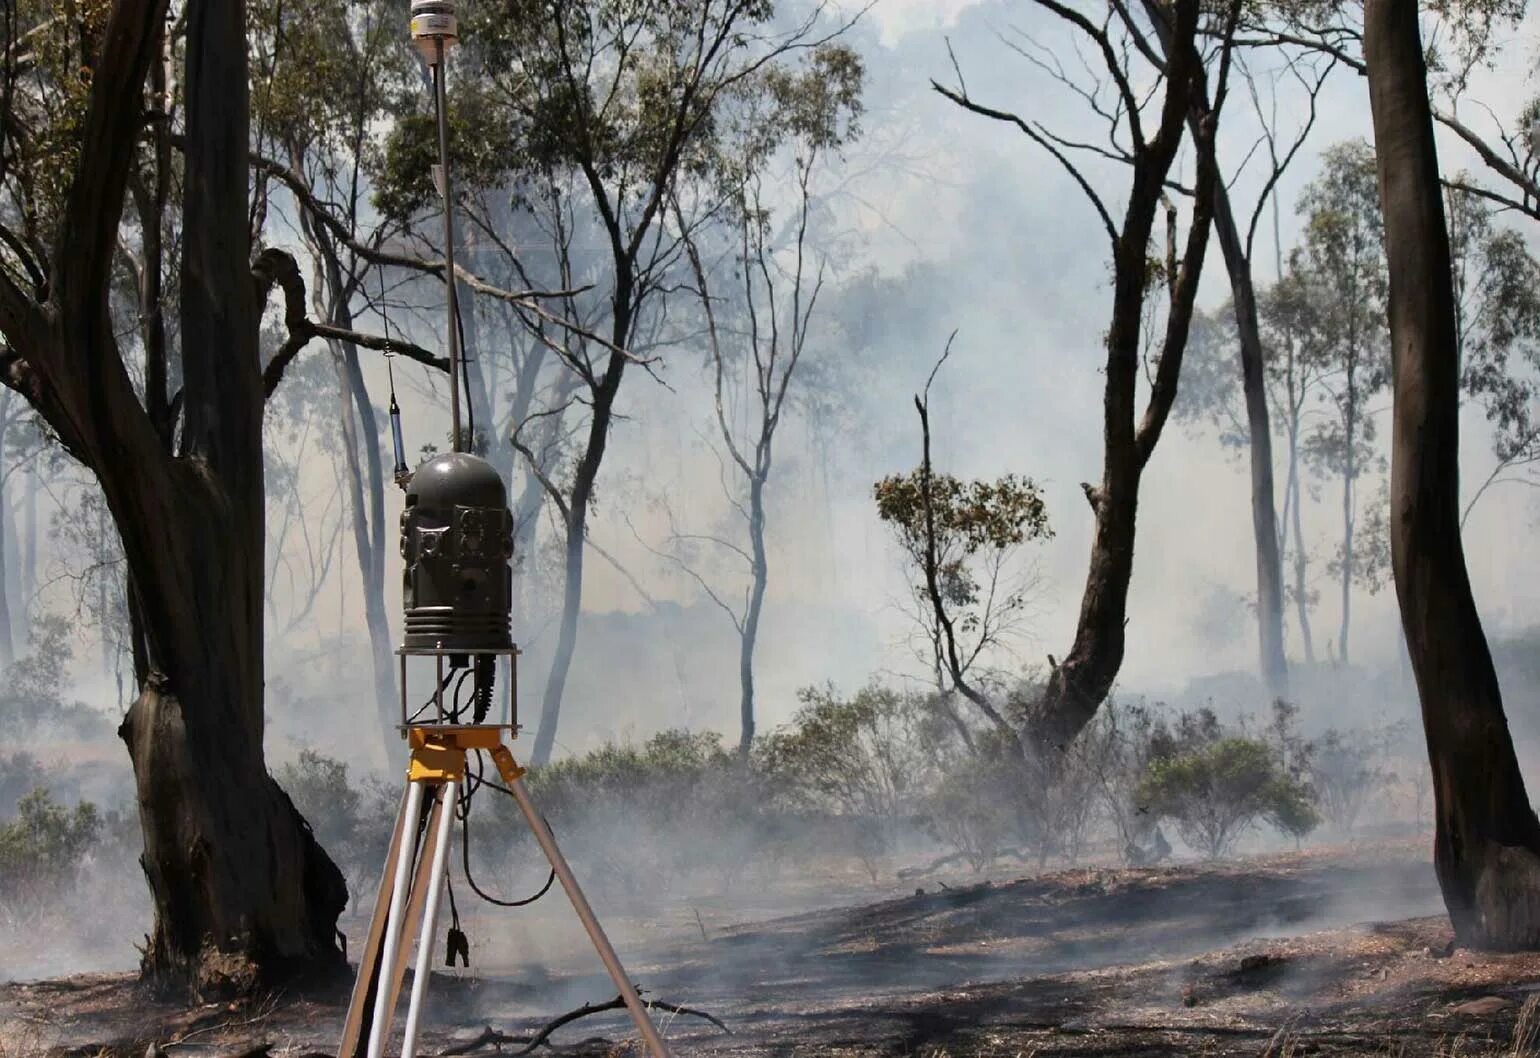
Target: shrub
x=352 y=823
x=971 y=813
x=1215 y=788
x=637 y=815
x=868 y=761
x=42 y=849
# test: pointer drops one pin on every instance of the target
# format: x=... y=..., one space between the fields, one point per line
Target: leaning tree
x=242 y=894
x=1145 y=132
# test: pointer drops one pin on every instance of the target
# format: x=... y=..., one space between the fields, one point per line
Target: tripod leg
x=437 y=819
x=369 y=963
x=435 y=889
x=398 y=895
x=585 y=914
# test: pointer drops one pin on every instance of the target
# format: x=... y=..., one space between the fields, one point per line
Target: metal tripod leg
x=446 y=802
x=369 y=963
x=585 y=914
x=408 y=893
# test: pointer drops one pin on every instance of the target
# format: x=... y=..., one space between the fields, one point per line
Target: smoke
x=940 y=221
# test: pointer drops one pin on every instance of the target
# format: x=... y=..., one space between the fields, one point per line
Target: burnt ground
x=1305 y=954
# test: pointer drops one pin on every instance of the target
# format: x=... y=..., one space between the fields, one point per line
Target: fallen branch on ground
x=527 y=1044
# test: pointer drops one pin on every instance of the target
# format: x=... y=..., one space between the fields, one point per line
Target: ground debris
x=1286 y=956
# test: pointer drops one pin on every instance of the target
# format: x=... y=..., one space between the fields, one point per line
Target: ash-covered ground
x=1339 y=951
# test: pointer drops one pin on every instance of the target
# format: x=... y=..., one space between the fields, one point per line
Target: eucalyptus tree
x=758 y=294
x=1079 y=683
x=327 y=74
x=1342 y=267
x=1487 y=836
x=1497 y=304
x=242 y=894
x=1238 y=251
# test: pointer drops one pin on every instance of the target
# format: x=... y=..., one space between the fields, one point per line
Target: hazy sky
x=1002 y=247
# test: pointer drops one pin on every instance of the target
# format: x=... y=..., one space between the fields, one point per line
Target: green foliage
x=968 y=519
x=1346 y=768
x=970 y=811
x=671 y=765
x=318 y=786
x=862 y=756
x=1497 y=290
x=42 y=849
x=869 y=761
x=1214 y=785
x=41 y=139
x=352 y=823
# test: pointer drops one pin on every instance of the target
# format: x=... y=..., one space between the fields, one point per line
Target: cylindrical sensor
x=457 y=539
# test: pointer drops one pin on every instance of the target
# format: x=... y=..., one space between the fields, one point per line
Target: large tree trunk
x=1487 y=845
x=1080 y=683
x=243 y=895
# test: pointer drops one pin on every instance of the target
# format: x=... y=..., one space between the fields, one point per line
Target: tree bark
x=1264 y=513
x=1487 y=843
x=1272 y=664
x=1301 y=559
x=1349 y=478
x=760 y=574
x=577 y=531
x=1078 y=685
x=242 y=894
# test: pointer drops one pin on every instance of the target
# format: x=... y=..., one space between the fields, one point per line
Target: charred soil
x=1316 y=953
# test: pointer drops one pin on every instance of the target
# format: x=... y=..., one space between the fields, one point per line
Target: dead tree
x=1487 y=843
x=1080 y=682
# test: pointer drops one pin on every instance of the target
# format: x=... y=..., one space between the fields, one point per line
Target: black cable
x=465 y=375
x=455 y=708
x=465 y=842
x=432 y=697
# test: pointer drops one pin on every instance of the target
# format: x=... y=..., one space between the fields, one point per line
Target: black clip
x=457 y=944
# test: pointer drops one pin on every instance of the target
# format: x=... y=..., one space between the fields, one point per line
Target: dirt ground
x=1318 y=953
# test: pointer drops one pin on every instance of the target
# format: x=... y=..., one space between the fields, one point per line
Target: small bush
x=43 y=848
x=1222 y=786
x=1346 y=769
x=352 y=823
x=868 y=760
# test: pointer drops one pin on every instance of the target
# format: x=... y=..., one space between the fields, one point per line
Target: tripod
x=414 y=878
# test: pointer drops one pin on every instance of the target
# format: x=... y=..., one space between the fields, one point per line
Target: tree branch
x=277 y=267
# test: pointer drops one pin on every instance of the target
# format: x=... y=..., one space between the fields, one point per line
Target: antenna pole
x=446 y=188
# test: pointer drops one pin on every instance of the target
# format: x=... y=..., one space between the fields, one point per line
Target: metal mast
x=435 y=30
